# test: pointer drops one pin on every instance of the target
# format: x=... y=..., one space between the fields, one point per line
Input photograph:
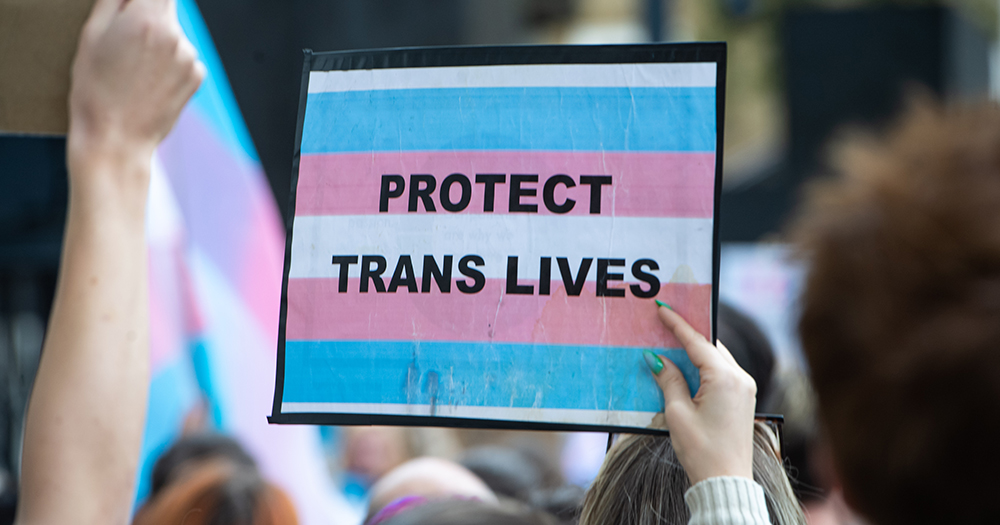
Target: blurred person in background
x=423 y=480
x=361 y=455
x=456 y=512
x=370 y=452
x=509 y=472
x=751 y=349
x=643 y=483
x=563 y=503
x=192 y=451
x=806 y=453
x=518 y=474
x=133 y=73
x=218 y=492
x=901 y=316
x=828 y=506
x=365 y=454
x=211 y=479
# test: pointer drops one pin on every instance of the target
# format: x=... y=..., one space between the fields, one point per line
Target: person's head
x=218 y=493
x=519 y=474
x=430 y=478
x=749 y=347
x=508 y=471
x=458 y=512
x=193 y=451
x=901 y=316
x=563 y=503
x=371 y=452
x=643 y=483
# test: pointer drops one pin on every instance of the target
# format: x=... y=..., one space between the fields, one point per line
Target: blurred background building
x=800 y=72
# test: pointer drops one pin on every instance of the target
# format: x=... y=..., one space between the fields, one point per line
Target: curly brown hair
x=901 y=315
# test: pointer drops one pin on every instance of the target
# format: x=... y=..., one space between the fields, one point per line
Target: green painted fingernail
x=663 y=304
x=653 y=361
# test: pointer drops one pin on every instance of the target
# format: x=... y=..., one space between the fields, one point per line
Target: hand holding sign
x=133 y=73
x=712 y=432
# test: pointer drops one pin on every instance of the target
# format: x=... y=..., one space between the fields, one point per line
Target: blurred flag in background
x=216 y=248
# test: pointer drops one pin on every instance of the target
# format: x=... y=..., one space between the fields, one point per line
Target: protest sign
x=478 y=234
x=38 y=40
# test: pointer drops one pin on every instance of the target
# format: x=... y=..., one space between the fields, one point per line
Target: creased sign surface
x=485 y=241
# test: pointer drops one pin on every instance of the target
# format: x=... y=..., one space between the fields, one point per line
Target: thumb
x=669 y=378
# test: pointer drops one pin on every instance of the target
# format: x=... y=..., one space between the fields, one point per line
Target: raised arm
x=133 y=73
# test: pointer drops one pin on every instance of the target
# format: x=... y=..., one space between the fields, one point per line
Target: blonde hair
x=642 y=483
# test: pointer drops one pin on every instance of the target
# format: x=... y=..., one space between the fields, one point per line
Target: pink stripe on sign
x=643 y=184
x=318 y=312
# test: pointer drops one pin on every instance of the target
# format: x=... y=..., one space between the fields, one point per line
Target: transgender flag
x=215 y=244
x=484 y=241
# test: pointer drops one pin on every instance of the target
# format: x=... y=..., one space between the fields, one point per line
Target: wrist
x=712 y=466
x=696 y=478
x=87 y=146
x=109 y=178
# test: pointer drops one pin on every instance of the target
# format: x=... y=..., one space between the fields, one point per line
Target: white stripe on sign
x=548 y=415
x=681 y=74
x=671 y=242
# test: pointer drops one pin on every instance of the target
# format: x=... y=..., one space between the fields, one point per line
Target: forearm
x=133 y=73
x=87 y=411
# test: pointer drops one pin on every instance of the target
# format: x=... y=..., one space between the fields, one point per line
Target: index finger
x=699 y=350
x=726 y=354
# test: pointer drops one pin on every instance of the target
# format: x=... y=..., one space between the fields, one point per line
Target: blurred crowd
x=891 y=421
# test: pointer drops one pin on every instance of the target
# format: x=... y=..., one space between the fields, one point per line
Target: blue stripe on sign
x=551 y=118
x=517 y=375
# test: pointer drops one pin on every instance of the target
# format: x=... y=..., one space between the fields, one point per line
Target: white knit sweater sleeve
x=727 y=500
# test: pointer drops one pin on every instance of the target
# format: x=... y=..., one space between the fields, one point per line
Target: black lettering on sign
x=549 y=194
x=431 y=271
x=424 y=194
x=516 y=192
x=403 y=266
x=544 y=275
x=345 y=261
x=374 y=274
x=648 y=278
x=595 y=182
x=490 y=180
x=478 y=279
x=512 y=286
x=603 y=277
x=386 y=193
x=574 y=286
x=423 y=186
x=463 y=200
